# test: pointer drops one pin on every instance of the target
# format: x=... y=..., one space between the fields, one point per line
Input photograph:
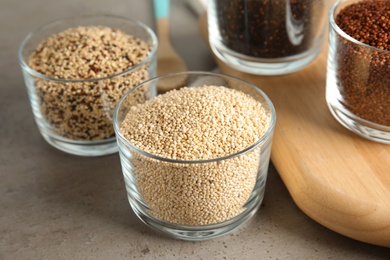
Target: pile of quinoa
x=367 y=21
x=82 y=110
x=365 y=87
x=196 y=123
x=262 y=28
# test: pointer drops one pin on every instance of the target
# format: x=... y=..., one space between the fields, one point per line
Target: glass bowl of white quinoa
x=195 y=159
x=76 y=69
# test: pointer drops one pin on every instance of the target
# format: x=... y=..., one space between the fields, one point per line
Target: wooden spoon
x=168 y=61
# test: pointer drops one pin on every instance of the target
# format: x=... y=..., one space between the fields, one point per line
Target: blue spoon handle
x=161 y=8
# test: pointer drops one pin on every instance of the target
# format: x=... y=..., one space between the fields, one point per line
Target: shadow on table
x=279 y=214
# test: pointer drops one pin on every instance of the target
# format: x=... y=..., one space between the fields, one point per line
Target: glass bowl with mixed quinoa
x=195 y=159
x=76 y=69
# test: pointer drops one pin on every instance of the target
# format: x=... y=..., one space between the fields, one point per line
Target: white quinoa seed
x=83 y=110
x=196 y=123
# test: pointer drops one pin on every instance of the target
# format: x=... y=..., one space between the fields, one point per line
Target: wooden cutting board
x=337 y=178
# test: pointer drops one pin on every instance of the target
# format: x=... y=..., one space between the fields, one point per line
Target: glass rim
x=344 y=34
x=37 y=74
x=261 y=140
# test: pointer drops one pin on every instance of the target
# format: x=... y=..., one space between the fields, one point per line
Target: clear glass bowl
x=75 y=115
x=165 y=193
x=357 y=87
x=267 y=37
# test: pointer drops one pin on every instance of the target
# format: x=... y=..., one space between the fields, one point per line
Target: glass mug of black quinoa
x=267 y=37
x=195 y=159
x=76 y=69
x=358 y=77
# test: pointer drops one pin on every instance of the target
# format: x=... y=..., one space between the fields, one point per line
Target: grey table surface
x=59 y=206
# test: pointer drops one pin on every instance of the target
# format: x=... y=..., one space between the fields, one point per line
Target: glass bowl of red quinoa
x=195 y=159
x=76 y=69
x=358 y=73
